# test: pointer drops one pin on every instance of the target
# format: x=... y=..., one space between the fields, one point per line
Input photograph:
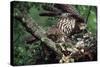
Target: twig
x=88 y=14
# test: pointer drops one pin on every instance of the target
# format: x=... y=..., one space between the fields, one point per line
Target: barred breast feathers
x=66 y=24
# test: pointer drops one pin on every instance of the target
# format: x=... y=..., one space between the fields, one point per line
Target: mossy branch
x=35 y=30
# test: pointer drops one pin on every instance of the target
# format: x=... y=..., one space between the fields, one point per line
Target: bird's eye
x=82 y=26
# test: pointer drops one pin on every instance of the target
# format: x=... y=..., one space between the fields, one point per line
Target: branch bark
x=35 y=30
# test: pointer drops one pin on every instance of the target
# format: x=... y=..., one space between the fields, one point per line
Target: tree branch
x=35 y=30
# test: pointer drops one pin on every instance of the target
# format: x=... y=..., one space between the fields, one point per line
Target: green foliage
x=30 y=54
x=92 y=21
x=44 y=22
x=91 y=18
